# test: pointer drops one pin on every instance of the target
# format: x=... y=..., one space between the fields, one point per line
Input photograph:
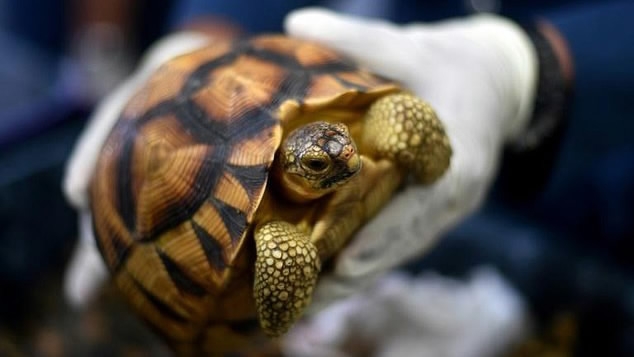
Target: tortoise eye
x=315 y=164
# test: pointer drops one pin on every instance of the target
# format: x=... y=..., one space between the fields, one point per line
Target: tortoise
x=238 y=170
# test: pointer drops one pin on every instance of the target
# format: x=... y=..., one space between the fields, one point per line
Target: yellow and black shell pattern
x=182 y=173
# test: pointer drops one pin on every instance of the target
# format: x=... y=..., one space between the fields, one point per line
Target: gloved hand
x=479 y=73
x=425 y=316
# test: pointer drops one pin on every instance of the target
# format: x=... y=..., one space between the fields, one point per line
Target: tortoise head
x=316 y=159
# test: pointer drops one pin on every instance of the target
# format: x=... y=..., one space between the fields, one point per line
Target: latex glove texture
x=479 y=74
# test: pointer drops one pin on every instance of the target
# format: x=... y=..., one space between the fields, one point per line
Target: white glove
x=479 y=73
x=424 y=316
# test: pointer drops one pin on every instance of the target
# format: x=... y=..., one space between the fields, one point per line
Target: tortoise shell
x=184 y=170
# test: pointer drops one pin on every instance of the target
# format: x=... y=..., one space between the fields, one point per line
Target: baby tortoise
x=237 y=170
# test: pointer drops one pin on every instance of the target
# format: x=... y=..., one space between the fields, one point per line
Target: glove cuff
x=528 y=160
x=553 y=91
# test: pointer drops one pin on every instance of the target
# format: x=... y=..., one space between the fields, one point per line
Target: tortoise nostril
x=348 y=152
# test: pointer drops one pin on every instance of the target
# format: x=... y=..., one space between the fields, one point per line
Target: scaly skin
x=401 y=133
x=287 y=267
x=404 y=128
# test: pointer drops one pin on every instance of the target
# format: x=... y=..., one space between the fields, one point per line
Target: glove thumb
x=359 y=38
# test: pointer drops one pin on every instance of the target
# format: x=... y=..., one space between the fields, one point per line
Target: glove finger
x=359 y=38
x=86 y=272
x=83 y=160
x=84 y=157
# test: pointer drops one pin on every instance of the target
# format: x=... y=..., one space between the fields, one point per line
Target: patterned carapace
x=183 y=172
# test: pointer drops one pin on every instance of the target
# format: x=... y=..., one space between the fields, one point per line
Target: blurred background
x=562 y=238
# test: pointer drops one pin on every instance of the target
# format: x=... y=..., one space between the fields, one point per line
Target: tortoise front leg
x=404 y=128
x=354 y=204
x=286 y=270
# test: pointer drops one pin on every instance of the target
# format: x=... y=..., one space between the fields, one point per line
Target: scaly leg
x=286 y=270
x=354 y=204
x=404 y=128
